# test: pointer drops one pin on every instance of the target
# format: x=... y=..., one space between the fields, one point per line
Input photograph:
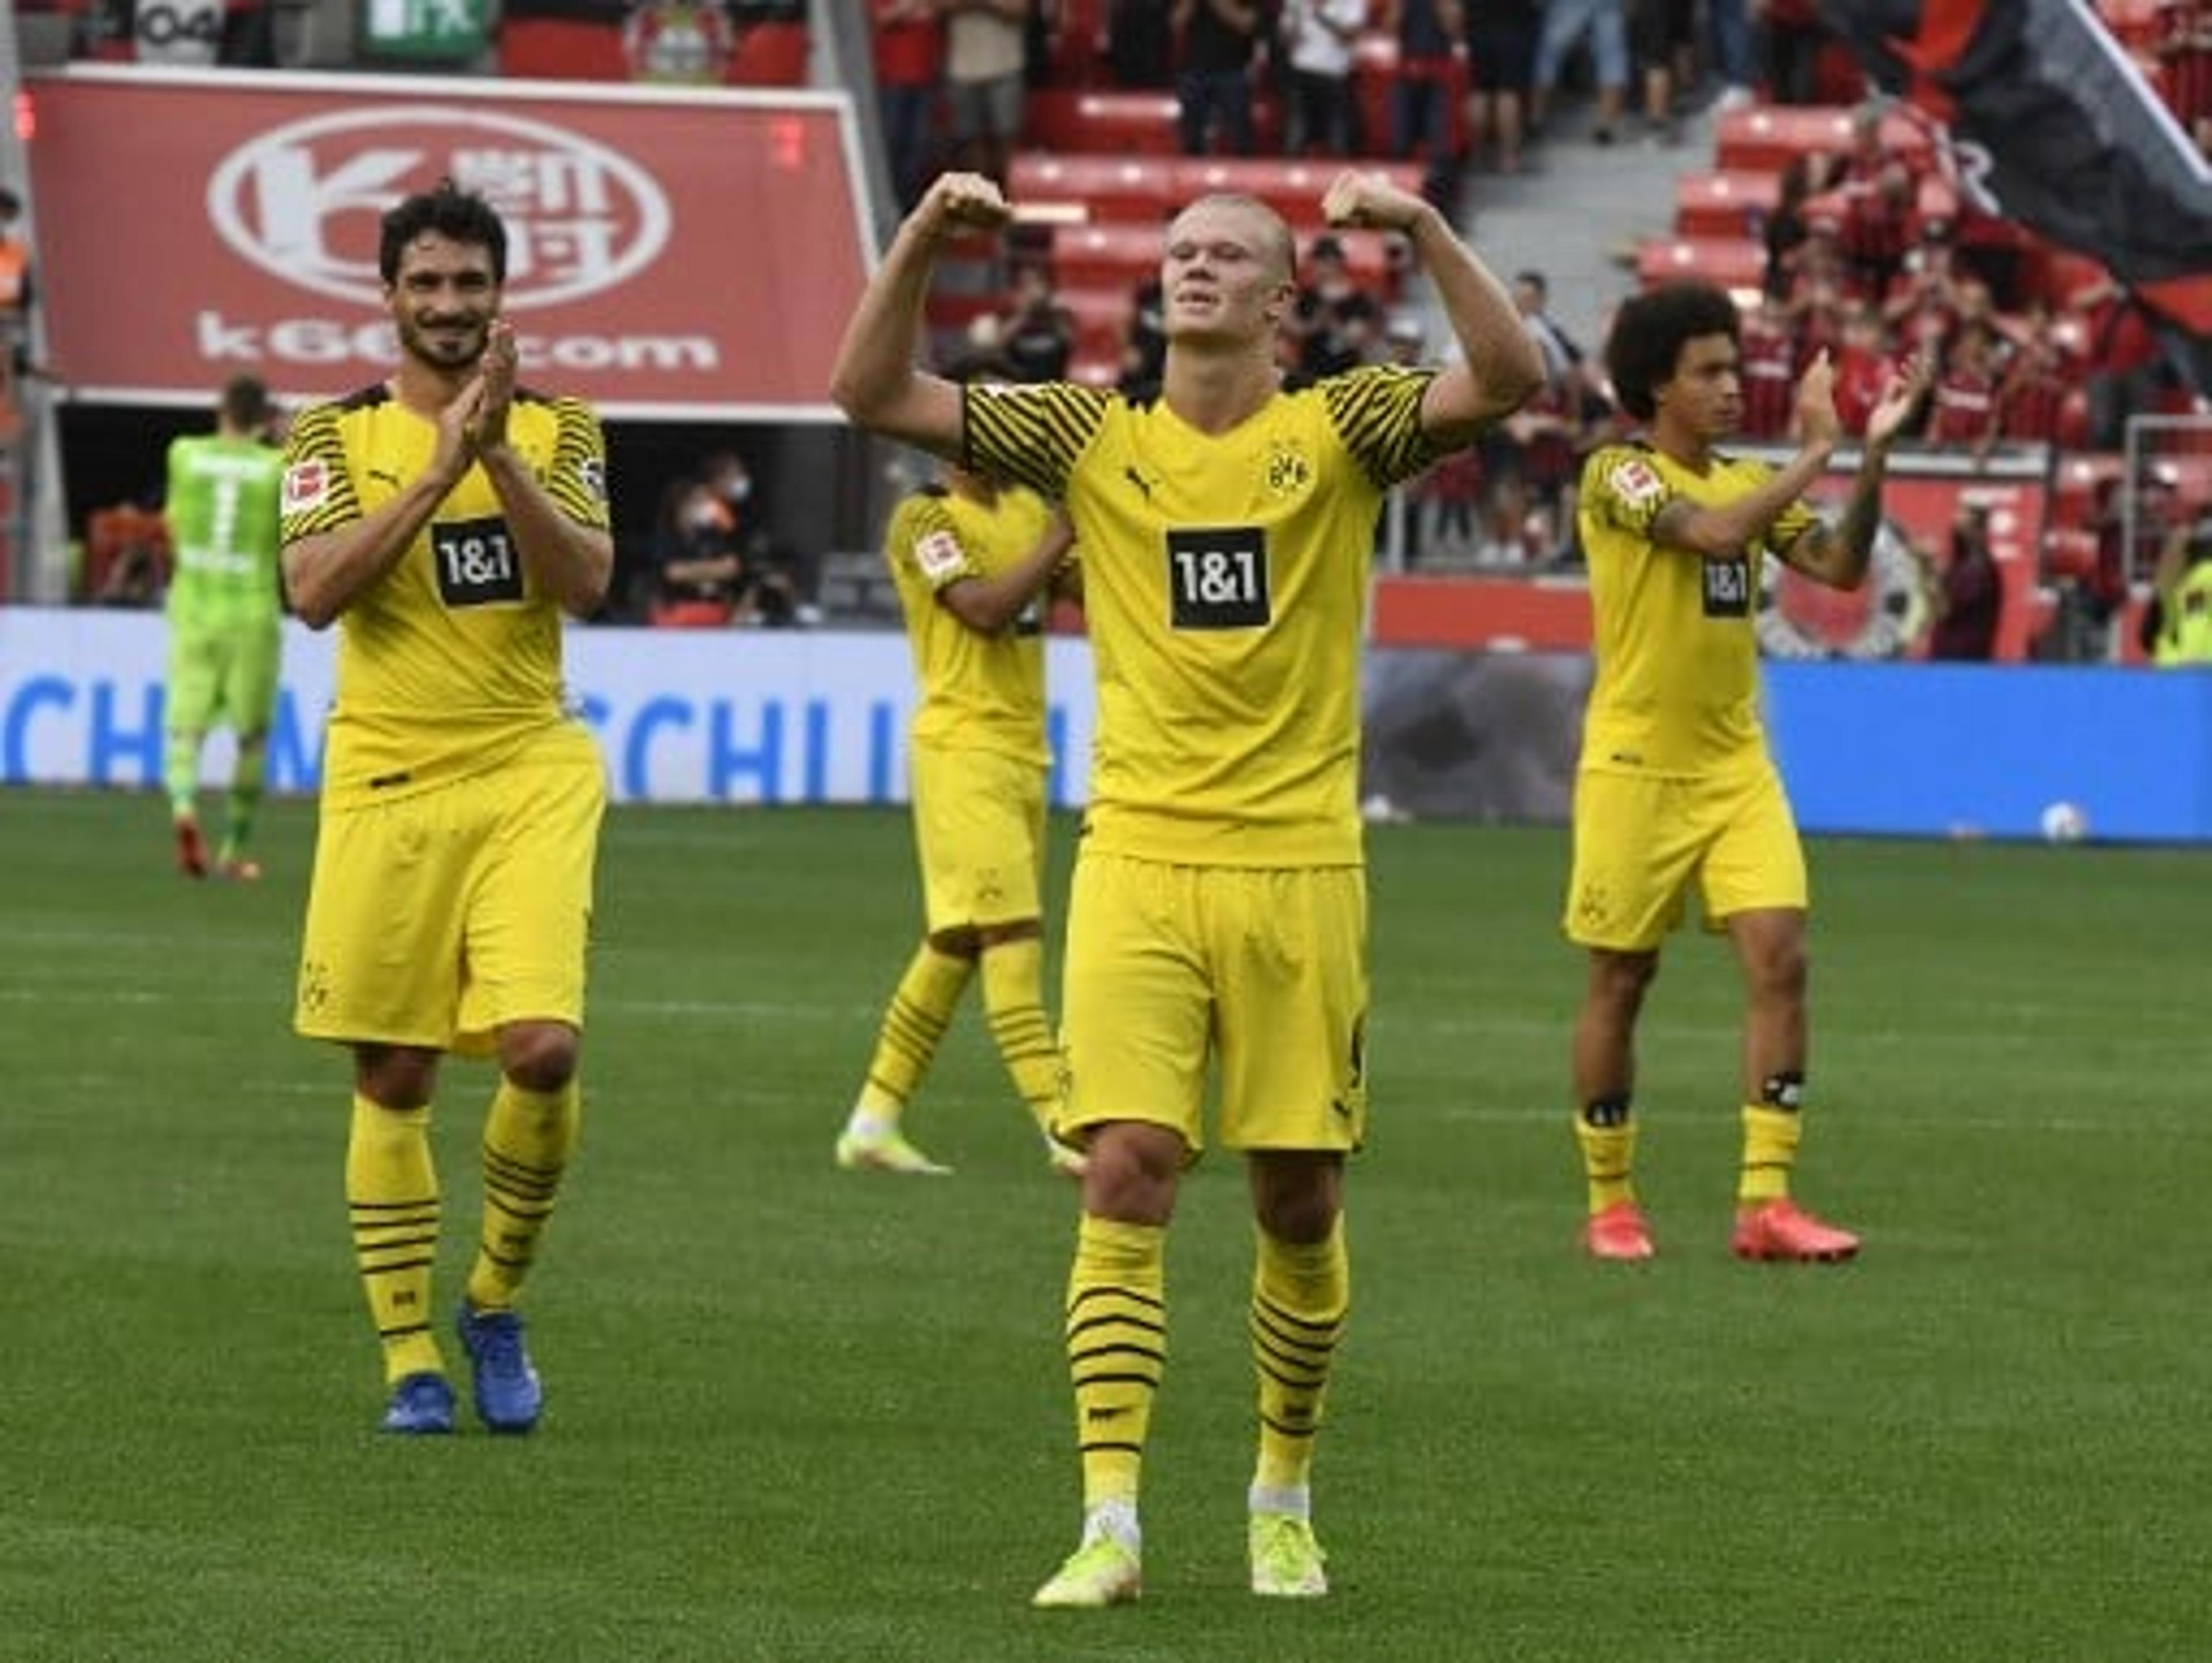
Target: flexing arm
x=875 y=380
x=1500 y=364
x=325 y=573
x=987 y=605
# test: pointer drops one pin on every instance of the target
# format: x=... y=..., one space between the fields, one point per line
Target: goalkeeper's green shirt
x=222 y=514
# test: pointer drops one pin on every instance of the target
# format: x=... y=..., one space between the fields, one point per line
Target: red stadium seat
x=1120 y=255
x=1722 y=205
x=1071 y=188
x=1761 y=138
x=1292 y=188
x=1736 y=263
x=1100 y=122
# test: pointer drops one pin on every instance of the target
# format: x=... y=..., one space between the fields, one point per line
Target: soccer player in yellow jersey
x=1217 y=914
x=1676 y=786
x=974 y=563
x=445 y=520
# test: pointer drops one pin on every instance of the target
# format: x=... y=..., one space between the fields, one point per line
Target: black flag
x=2050 y=122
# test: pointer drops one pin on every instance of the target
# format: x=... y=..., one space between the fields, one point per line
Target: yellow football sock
x=1301 y=1293
x=1118 y=1346
x=1013 y=1003
x=527 y=1141
x=1608 y=1160
x=914 y=1026
x=1770 y=1149
x=391 y=1201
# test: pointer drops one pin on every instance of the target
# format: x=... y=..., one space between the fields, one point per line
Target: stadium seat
x=1723 y=205
x=1761 y=138
x=1071 y=120
x=1292 y=188
x=2075 y=486
x=1736 y=263
x=1109 y=256
x=1064 y=190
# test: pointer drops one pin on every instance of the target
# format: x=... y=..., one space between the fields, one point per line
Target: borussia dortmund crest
x=1288 y=471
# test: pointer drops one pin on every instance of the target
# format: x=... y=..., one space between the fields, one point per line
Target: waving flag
x=2050 y=122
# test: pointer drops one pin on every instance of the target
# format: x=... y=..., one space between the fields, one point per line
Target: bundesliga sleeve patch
x=306 y=484
x=941 y=557
x=1636 y=482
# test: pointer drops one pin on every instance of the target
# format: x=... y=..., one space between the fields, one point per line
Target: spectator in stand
x=1563 y=356
x=1140 y=35
x=1970 y=592
x=1730 y=23
x=15 y=264
x=1879 y=219
x=1923 y=297
x=1862 y=361
x=910 y=59
x=1214 y=89
x=1565 y=22
x=775 y=586
x=1423 y=102
x=1817 y=305
x=1324 y=116
x=2177 y=626
x=1785 y=229
x=697 y=571
x=1501 y=71
x=1036 y=337
x=1963 y=414
x=1144 y=345
x=1666 y=51
x=985 y=56
x=1768 y=367
x=1336 y=324
x=1791 y=37
x=2122 y=368
x=2037 y=389
x=2184 y=57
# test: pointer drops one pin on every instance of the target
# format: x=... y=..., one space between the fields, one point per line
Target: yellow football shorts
x=1641 y=841
x=434 y=919
x=1261 y=972
x=979 y=831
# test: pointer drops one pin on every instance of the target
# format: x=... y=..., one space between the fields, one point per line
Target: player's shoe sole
x=1779 y=1230
x=191 y=850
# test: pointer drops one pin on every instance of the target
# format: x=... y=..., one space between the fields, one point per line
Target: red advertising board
x=679 y=253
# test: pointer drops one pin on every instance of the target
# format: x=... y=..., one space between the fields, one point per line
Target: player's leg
x=527 y=929
x=1290 y=996
x=393 y=1203
x=250 y=696
x=379 y=970
x=1633 y=853
x=188 y=708
x=1755 y=884
x=929 y=990
x=1135 y=1032
x=1011 y=936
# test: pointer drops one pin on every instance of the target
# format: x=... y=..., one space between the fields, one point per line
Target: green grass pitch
x=796 y=1414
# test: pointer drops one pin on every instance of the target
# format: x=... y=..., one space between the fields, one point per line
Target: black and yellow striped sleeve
x=1031 y=434
x=1377 y=412
x=577 y=482
x=318 y=495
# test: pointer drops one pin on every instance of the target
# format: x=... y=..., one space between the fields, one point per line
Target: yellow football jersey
x=452 y=662
x=1226 y=586
x=978 y=692
x=1677 y=683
